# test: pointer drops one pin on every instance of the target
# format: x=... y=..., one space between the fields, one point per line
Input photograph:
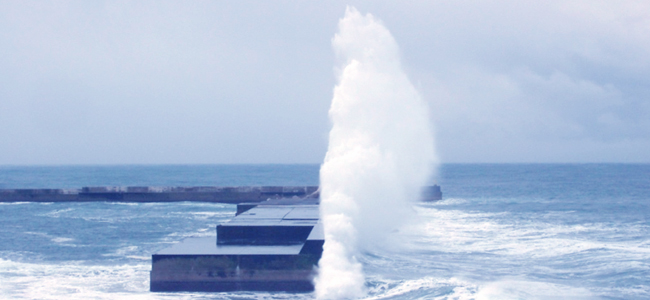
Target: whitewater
x=380 y=153
x=502 y=231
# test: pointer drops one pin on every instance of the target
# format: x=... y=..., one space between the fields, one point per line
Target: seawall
x=217 y=194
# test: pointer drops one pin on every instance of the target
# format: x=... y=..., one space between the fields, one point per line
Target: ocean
x=502 y=231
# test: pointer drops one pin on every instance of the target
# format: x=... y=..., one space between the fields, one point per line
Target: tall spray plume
x=380 y=152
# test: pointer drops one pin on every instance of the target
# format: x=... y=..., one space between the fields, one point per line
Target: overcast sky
x=176 y=82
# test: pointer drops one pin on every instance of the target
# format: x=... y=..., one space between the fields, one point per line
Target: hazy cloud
x=237 y=82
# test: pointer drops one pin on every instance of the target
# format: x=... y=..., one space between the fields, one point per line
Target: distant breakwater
x=216 y=194
x=138 y=194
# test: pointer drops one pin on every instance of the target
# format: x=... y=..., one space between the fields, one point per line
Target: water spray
x=380 y=152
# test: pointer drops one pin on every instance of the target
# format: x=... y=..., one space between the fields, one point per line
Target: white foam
x=463 y=231
x=387 y=289
x=448 y=201
x=73 y=280
x=380 y=152
x=209 y=215
x=63 y=241
x=56 y=213
x=458 y=289
x=123 y=203
x=530 y=290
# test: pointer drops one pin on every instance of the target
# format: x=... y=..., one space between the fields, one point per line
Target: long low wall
x=157 y=194
x=220 y=194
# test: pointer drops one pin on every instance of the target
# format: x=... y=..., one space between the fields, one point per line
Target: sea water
x=502 y=231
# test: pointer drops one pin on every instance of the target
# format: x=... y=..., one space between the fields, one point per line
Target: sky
x=210 y=82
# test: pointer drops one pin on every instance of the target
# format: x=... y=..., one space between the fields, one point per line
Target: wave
x=56 y=213
x=531 y=290
x=502 y=232
x=459 y=289
x=448 y=201
x=62 y=241
x=74 y=280
x=421 y=288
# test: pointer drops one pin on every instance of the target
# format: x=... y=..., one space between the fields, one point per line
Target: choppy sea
x=502 y=231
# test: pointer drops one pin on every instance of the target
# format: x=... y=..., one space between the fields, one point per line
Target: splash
x=380 y=152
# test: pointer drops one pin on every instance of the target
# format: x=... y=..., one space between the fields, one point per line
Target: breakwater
x=217 y=194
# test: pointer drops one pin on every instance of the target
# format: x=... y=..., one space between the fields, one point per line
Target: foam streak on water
x=379 y=155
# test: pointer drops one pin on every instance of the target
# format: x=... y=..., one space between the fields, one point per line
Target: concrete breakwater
x=217 y=194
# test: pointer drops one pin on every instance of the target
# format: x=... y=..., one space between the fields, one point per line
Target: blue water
x=513 y=231
x=164 y=175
